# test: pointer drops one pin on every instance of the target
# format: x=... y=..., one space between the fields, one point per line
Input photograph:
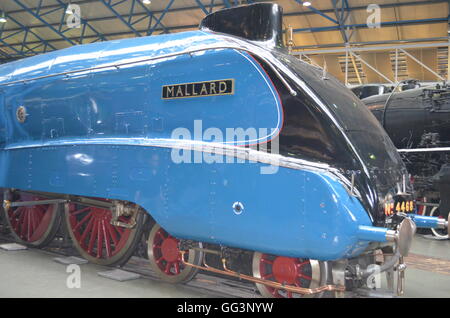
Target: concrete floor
x=33 y=273
x=430 y=276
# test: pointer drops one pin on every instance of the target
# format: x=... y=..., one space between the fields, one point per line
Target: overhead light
x=146 y=1
x=3 y=18
x=306 y=3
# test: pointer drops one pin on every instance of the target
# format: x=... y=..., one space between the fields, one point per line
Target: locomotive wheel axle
x=292 y=289
x=8 y=204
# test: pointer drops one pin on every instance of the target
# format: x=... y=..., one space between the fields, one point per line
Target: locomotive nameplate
x=198 y=89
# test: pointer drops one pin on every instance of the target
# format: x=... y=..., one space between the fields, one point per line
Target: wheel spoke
x=31 y=224
x=167 y=269
x=112 y=233
x=92 y=237
x=157 y=246
x=86 y=231
x=267 y=276
x=83 y=220
x=28 y=225
x=302 y=263
x=15 y=224
x=20 y=224
x=118 y=229
x=40 y=215
x=304 y=276
x=177 y=268
x=74 y=213
x=284 y=270
x=16 y=212
x=266 y=261
x=161 y=235
x=99 y=239
x=107 y=240
x=34 y=221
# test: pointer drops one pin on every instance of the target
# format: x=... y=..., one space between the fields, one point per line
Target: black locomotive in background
x=418 y=122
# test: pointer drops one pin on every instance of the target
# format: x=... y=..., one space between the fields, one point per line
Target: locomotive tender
x=123 y=137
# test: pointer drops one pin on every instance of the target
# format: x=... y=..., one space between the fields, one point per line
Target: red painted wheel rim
x=166 y=253
x=94 y=232
x=30 y=223
x=285 y=270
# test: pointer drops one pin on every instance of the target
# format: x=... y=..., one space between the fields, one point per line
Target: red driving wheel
x=297 y=272
x=165 y=257
x=33 y=225
x=167 y=254
x=96 y=239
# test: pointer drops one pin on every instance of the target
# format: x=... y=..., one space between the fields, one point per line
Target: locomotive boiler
x=216 y=143
x=418 y=122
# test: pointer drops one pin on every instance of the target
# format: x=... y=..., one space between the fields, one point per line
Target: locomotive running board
x=293 y=289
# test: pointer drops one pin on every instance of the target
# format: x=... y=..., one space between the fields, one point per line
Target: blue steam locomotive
x=211 y=143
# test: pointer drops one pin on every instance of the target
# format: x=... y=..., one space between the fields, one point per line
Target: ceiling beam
x=195 y=26
x=338 y=45
x=44 y=10
x=373 y=48
x=82 y=2
x=144 y=14
x=113 y=34
x=158 y=21
x=202 y=6
x=220 y=4
x=37 y=16
x=365 y=26
x=110 y=5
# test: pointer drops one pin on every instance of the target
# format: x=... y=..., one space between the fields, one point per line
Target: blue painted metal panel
x=126 y=102
x=2 y=125
x=36 y=67
x=427 y=222
x=370 y=233
x=77 y=57
x=7 y=70
x=117 y=51
x=195 y=201
x=129 y=50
